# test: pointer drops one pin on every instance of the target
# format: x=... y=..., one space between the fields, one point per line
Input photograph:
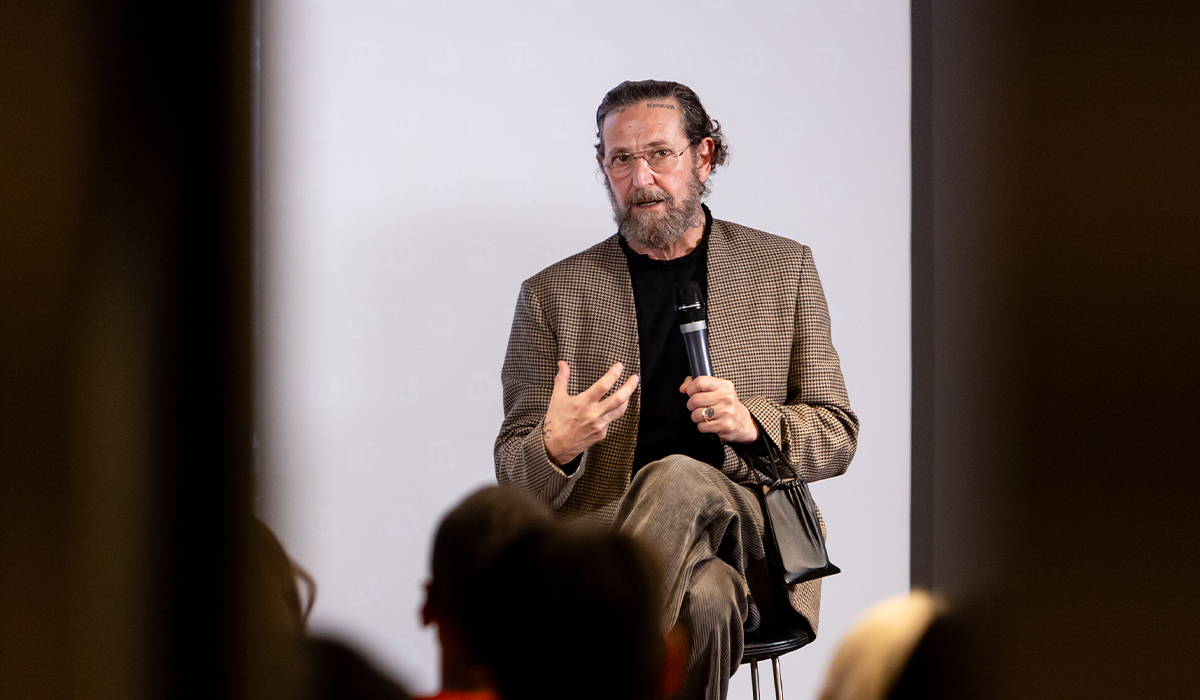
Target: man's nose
x=642 y=174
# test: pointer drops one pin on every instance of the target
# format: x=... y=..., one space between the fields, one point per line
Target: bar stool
x=772 y=643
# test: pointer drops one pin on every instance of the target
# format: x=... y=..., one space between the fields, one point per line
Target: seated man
x=573 y=612
x=468 y=540
x=652 y=458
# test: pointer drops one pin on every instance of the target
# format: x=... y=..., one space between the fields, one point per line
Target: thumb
x=683 y=387
x=563 y=377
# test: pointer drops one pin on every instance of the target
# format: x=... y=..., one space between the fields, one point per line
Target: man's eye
x=662 y=153
x=623 y=158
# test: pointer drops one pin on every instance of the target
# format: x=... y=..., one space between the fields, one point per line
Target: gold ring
x=709 y=413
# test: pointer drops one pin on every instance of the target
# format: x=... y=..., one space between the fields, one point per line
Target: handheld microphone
x=693 y=324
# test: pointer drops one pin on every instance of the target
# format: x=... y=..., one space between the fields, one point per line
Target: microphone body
x=693 y=324
x=695 y=339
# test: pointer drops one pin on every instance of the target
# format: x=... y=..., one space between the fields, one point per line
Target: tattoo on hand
x=659 y=105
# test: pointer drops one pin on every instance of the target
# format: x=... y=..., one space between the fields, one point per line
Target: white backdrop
x=421 y=159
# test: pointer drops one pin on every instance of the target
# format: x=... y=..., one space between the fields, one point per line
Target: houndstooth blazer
x=768 y=328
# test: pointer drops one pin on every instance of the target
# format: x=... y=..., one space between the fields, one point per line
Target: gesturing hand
x=575 y=423
x=715 y=409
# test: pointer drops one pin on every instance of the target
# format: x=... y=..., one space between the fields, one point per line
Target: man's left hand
x=715 y=409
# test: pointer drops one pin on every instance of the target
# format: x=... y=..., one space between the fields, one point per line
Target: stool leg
x=778 y=678
x=754 y=677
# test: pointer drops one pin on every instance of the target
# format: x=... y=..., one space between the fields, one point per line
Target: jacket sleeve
x=815 y=428
x=528 y=380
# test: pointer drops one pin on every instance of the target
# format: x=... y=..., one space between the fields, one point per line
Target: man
x=469 y=540
x=652 y=458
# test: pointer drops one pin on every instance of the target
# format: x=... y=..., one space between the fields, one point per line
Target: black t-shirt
x=666 y=426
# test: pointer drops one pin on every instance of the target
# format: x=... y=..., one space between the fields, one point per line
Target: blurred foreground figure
x=573 y=612
x=295 y=666
x=276 y=581
x=891 y=653
x=468 y=541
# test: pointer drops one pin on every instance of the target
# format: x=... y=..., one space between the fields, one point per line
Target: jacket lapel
x=723 y=287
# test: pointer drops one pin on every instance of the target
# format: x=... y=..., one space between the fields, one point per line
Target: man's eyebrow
x=649 y=146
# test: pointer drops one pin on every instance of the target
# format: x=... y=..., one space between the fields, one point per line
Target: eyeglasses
x=660 y=160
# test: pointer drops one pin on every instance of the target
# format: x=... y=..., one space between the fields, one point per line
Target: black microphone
x=693 y=324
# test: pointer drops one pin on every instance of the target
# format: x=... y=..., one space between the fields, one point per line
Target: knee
x=673 y=471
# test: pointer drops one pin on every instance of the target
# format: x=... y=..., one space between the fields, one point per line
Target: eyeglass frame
x=644 y=155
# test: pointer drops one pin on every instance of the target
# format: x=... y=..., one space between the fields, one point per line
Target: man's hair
x=571 y=612
x=471 y=536
x=693 y=119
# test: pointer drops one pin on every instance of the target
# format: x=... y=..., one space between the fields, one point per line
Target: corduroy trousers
x=707 y=534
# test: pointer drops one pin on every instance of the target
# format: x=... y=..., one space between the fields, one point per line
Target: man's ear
x=704 y=152
x=670 y=679
x=428 y=608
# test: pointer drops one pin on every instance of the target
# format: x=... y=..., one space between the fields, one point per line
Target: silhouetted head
x=468 y=541
x=571 y=612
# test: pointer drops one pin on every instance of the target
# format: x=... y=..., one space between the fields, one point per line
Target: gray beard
x=656 y=232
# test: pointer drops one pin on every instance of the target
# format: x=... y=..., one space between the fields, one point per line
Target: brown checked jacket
x=768 y=327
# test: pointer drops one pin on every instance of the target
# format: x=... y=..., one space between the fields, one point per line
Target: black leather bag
x=793 y=531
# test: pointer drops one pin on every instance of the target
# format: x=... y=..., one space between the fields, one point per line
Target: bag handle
x=772 y=459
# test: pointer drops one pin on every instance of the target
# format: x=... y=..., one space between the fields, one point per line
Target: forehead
x=642 y=125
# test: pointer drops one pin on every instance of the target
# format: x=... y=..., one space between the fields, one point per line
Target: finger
x=603 y=384
x=706 y=398
x=620 y=395
x=563 y=378
x=614 y=414
x=705 y=384
x=683 y=388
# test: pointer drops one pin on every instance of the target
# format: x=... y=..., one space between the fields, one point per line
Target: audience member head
x=571 y=612
x=873 y=661
x=468 y=541
x=274 y=597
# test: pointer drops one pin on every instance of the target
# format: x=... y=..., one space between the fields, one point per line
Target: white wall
x=421 y=159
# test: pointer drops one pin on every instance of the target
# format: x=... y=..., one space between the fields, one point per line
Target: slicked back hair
x=696 y=123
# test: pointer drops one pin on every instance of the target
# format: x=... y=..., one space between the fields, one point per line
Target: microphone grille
x=689 y=303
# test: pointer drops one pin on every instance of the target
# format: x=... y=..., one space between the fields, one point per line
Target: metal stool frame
x=772 y=646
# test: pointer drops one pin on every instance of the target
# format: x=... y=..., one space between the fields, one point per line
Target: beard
x=656 y=231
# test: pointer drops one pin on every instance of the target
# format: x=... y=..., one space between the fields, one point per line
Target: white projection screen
x=419 y=160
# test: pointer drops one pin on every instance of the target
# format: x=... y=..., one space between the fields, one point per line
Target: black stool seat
x=773 y=643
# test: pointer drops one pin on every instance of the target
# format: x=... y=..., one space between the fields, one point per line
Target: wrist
x=749 y=430
x=556 y=456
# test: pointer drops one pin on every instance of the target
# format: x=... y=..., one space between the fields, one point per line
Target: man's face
x=652 y=208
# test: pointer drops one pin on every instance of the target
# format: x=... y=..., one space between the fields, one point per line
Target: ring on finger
x=709 y=413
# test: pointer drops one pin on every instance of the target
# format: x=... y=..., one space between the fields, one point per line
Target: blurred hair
x=693 y=119
x=571 y=612
x=274 y=595
x=471 y=536
x=876 y=652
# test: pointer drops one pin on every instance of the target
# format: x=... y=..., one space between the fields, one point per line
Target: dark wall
x=125 y=378
x=1056 y=261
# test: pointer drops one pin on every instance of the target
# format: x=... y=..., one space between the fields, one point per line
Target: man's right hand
x=575 y=423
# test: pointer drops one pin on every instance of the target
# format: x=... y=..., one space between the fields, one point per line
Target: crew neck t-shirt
x=665 y=426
